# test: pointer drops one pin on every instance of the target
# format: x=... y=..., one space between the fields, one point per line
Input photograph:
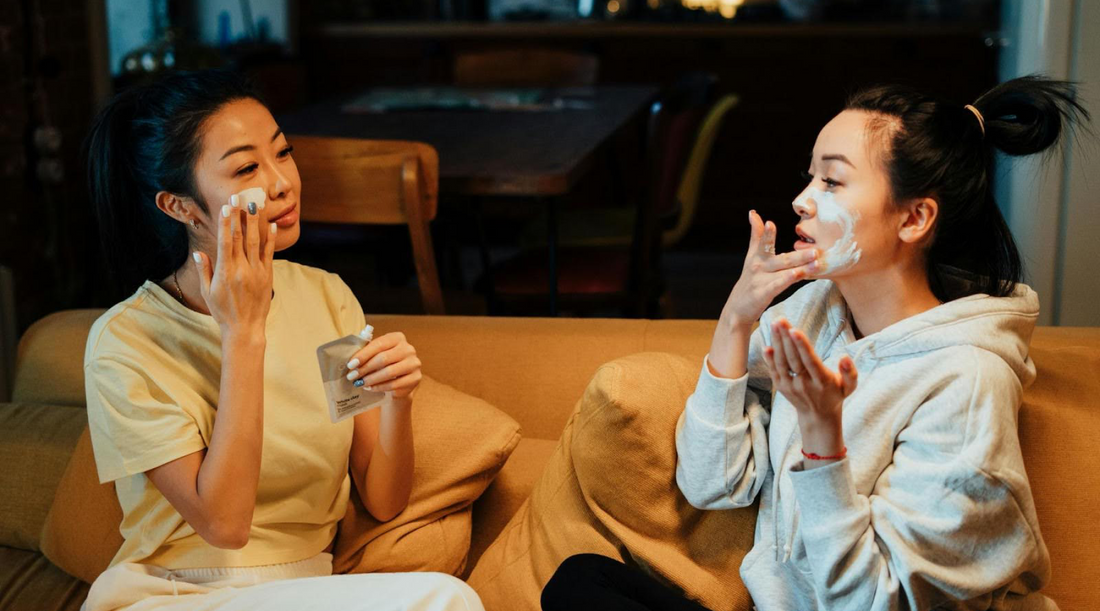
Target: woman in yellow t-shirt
x=205 y=400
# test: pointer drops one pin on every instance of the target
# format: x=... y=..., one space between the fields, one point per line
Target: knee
x=571 y=579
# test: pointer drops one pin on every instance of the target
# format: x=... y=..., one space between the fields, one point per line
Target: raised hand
x=237 y=287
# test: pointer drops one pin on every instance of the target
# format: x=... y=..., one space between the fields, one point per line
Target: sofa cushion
x=610 y=489
x=35 y=444
x=1059 y=426
x=506 y=494
x=45 y=370
x=28 y=582
x=461 y=444
x=624 y=449
x=553 y=524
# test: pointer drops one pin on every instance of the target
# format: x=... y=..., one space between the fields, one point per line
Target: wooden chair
x=526 y=68
x=375 y=182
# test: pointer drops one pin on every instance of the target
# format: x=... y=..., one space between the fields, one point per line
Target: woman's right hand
x=237 y=288
x=764 y=276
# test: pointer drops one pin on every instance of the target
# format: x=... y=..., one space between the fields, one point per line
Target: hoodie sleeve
x=722 y=437
x=951 y=518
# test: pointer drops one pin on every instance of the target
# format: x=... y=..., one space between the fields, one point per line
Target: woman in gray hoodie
x=874 y=412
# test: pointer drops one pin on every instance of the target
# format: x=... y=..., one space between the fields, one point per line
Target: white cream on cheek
x=255 y=194
x=845 y=252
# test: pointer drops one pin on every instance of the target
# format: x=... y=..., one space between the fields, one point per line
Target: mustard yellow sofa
x=535 y=370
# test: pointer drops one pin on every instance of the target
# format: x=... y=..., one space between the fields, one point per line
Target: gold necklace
x=176 y=278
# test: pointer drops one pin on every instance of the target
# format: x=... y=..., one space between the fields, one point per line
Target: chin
x=287 y=237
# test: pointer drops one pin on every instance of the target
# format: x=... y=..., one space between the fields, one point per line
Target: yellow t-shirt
x=152 y=371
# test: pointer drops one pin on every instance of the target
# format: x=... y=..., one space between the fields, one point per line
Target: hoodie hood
x=1001 y=325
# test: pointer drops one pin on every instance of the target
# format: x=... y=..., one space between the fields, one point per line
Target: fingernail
x=359 y=383
x=353 y=375
x=225 y=211
x=370 y=388
x=353 y=363
x=234 y=200
x=252 y=208
x=274 y=228
x=367 y=333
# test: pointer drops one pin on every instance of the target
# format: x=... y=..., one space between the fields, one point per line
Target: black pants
x=589 y=581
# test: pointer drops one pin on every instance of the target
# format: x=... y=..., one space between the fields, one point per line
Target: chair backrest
x=673 y=124
x=687 y=194
x=375 y=182
x=674 y=120
x=526 y=67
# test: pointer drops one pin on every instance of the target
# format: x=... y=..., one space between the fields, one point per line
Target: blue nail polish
x=252 y=208
x=358 y=383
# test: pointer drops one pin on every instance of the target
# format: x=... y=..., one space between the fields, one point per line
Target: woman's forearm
x=389 y=475
x=230 y=471
x=729 y=349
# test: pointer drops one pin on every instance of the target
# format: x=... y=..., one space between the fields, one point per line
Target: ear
x=175 y=206
x=918 y=220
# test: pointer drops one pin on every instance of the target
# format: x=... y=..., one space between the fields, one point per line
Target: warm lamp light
x=725 y=8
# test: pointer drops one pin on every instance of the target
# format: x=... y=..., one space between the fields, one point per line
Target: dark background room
x=595 y=157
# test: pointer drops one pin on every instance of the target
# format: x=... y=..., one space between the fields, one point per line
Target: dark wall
x=46 y=233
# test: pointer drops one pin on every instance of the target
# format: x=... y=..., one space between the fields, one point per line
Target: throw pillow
x=610 y=489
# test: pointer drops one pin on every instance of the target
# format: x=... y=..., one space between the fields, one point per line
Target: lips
x=805 y=236
x=284 y=215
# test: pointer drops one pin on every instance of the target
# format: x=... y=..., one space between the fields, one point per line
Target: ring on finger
x=792 y=373
x=769 y=248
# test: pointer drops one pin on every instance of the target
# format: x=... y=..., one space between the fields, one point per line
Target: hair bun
x=1028 y=115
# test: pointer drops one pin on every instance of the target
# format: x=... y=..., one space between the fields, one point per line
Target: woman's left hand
x=816 y=392
x=387 y=364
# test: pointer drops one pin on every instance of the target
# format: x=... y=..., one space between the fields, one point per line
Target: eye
x=248 y=169
x=286 y=152
x=829 y=181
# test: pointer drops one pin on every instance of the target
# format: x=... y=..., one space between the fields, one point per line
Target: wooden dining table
x=539 y=154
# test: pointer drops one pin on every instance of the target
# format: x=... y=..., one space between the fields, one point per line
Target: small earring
x=193 y=224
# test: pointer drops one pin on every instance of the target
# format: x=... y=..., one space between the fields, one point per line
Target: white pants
x=304 y=585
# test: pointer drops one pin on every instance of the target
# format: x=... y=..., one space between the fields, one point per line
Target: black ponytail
x=145 y=140
x=942 y=150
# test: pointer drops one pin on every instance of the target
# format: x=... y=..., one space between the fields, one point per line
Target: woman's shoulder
x=121 y=327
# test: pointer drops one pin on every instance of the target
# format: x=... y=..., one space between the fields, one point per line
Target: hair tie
x=981 y=119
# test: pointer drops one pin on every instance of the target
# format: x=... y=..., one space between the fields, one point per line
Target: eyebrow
x=248 y=147
x=838 y=158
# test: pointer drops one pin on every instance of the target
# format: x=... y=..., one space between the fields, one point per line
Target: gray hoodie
x=931 y=509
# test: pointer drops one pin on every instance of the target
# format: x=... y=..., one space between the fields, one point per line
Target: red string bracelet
x=812 y=456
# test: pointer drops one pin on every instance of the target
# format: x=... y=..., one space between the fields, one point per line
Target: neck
x=188 y=278
x=883 y=297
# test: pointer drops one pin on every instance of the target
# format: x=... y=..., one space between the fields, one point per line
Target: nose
x=804 y=206
x=279 y=188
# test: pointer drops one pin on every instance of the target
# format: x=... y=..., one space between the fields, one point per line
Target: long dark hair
x=938 y=149
x=145 y=140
